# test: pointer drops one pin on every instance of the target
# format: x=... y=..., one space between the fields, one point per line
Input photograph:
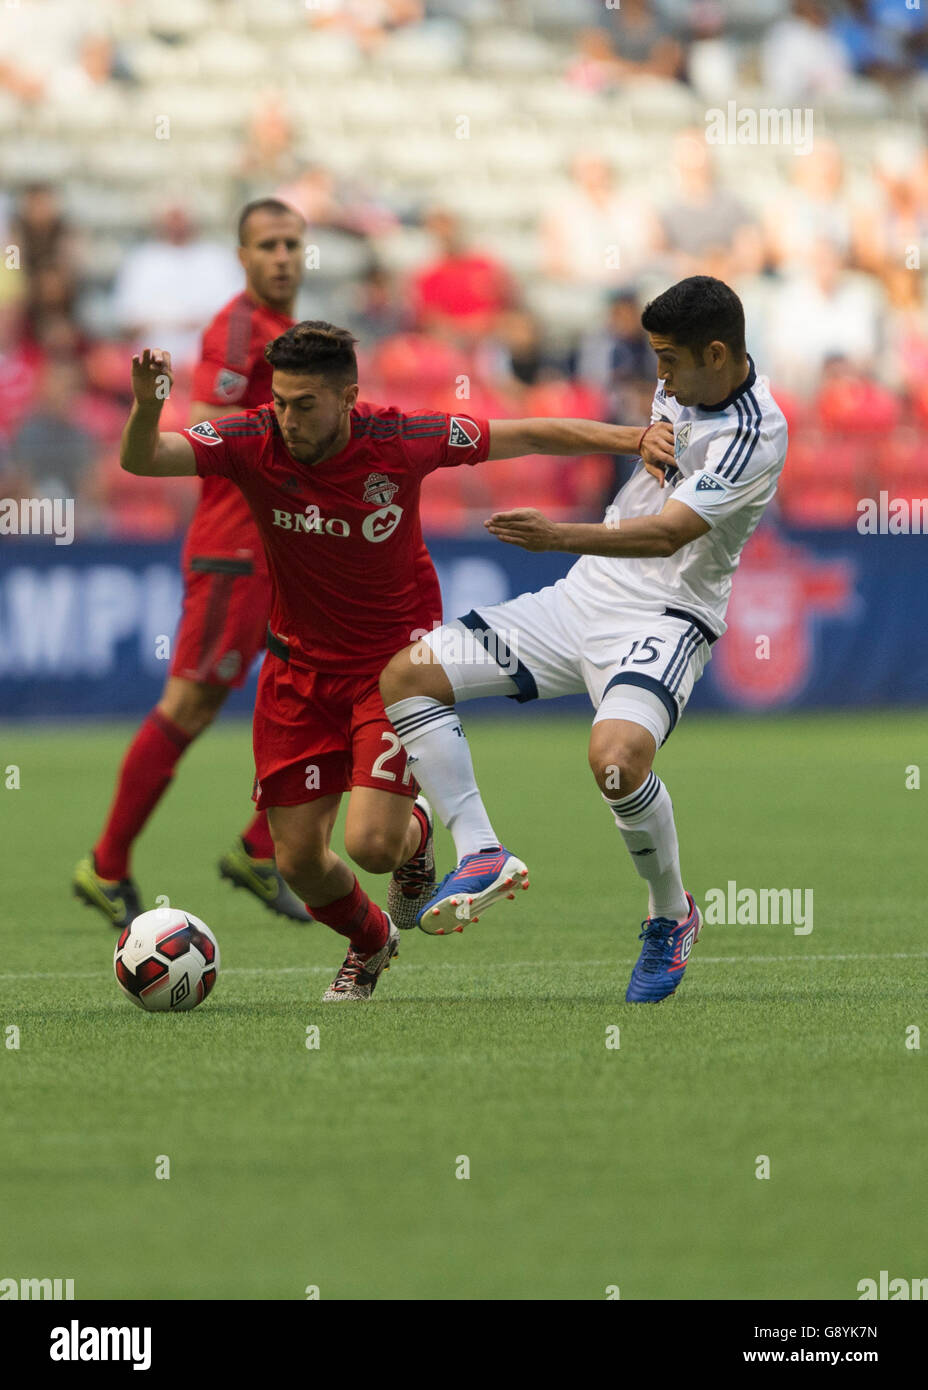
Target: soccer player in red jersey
x=333 y=483
x=227 y=592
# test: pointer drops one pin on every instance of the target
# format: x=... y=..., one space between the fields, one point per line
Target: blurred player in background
x=227 y=592
x=334 y=485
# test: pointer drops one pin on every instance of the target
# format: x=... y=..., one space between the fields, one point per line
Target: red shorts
x=223 y=622
x=315 y=734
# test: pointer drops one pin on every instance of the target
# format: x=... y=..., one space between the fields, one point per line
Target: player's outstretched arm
x=144 y=450
x=640 y=536
x=514 y=438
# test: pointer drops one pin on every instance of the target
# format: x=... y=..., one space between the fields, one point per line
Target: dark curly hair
x=316 y=348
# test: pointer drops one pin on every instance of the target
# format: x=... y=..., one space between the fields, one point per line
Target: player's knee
x=193 y=707
x=375 y=851
x=398 y=678
x=414 y=671
x=619 y=770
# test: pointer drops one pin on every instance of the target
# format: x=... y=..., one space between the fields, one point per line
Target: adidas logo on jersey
x=707 y=484
x=463 y=432
x=205 y=431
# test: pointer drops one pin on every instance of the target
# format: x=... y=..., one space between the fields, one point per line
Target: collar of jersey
x=738 y=392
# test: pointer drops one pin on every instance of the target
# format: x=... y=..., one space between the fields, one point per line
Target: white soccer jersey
x=728 y=460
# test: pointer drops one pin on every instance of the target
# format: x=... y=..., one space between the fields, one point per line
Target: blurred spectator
x=324 y=202
x=462 y=291
x=801 y=59
x=894 y=223
x=595 y=234
x=169 y=287
x=19 y=368
x=815 y=205
x=95 y=63
x=376 y=311
x=47 y=249
x=367 y=21
x=50 y=448
x=874 y=49
x=819 y=313
x=711 y=56
x=40 y=41
x=619 y=351
x=643 y=40
x=617 y=359
x=268 y=155
x=515 y=356
x=594 y=66
x=904 y=362
x=705 y=217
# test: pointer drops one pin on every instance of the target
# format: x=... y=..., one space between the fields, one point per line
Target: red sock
x=257 y=838
x=356 y=917
x=421 y=817
x=146 y=771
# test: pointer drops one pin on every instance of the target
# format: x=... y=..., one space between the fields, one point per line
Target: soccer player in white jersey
x=632 y=623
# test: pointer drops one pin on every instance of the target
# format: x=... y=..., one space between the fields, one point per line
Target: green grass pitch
x=590 y=1167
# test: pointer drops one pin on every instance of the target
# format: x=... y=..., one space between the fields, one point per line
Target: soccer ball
x=166 y=959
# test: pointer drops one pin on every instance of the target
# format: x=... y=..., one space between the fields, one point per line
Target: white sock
x=645 y=820
x=439 y=755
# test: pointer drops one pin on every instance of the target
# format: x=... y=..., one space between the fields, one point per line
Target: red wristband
x=643 y=433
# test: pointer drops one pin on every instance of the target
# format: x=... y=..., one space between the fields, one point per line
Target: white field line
x=797 y=959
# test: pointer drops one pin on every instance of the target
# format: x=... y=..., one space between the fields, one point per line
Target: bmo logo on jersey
x=376 y=527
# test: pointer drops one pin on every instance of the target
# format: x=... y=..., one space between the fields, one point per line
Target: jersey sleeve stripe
x=742 y=446
x=238 y=334
x=755 y=436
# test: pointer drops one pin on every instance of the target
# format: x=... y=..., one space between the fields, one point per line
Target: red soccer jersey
x=352 y=580
x=232 y=371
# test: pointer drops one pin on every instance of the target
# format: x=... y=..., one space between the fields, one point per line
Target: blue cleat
x=664 y=956
x=479 y=880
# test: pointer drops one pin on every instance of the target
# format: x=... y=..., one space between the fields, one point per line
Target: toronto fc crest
x=379 y=489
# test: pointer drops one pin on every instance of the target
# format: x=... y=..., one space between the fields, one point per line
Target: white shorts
x=635 y=664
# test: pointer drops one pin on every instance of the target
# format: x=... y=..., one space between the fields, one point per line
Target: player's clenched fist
x=656 y=449
x=152 y=376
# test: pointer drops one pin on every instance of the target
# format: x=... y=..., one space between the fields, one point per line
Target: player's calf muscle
x=415 y=670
